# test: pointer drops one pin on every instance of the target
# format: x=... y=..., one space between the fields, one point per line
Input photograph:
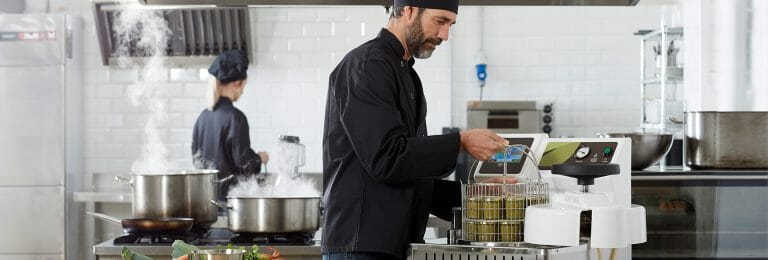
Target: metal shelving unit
x=667 y=75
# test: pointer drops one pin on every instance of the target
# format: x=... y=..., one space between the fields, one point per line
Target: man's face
x=428 y=30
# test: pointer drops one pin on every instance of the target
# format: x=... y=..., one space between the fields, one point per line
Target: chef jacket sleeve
x=245 y=158
x=371 y=117
x=446 y=195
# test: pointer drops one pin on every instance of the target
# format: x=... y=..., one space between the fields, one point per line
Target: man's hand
x=264 y=156
x=481 y=143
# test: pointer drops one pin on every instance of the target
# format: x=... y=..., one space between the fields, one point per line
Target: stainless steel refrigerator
x=40 y=135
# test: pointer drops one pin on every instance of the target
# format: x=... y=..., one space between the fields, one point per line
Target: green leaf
x=181 y=249
x=130 y=255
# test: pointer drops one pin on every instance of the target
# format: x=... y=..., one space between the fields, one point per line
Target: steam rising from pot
x=147 y=32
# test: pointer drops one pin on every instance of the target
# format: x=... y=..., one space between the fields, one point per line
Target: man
x=380 y=169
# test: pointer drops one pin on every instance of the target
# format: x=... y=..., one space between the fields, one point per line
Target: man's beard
x=416 y=40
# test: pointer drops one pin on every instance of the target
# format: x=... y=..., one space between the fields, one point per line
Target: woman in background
x=220 y=139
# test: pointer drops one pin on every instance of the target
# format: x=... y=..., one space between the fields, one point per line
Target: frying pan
x=150 y=226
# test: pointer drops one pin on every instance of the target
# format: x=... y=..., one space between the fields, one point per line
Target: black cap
x=450 y=5
x=230 y=66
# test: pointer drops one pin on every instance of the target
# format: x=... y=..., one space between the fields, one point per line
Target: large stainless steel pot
x=730 y=140
x=272 y=215
x=178 y=194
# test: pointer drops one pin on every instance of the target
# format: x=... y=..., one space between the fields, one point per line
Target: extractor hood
x=385 y=2
x=197 y=33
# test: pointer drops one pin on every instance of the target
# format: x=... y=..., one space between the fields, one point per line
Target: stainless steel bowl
x=647 y=149
x=217 y=254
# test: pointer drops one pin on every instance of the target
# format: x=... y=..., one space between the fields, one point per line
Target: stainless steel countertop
x=679 y=174
x=109 y=248
x=217 y=238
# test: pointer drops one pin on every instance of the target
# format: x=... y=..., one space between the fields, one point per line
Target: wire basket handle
x=525 y=150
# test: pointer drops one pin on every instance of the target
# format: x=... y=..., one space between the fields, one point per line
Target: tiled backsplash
x=584 y=59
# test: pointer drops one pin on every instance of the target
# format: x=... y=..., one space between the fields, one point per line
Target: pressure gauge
x=582 y=152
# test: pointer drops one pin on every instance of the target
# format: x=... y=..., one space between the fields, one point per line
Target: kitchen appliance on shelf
x=504 y=116
x=41 y=135
x=552 y=229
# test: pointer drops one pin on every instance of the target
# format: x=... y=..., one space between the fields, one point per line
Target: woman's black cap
x=230 y=66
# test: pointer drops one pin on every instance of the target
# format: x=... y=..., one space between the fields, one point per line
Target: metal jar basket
x=495 y=212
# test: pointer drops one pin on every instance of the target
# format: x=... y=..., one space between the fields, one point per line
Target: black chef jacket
x=380 y=168
x=221 y=141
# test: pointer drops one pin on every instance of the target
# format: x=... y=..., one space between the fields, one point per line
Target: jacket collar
x=396 y=48
x=223 y=101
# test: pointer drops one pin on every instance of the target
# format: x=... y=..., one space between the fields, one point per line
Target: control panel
x=577 y=152
x=513 y=157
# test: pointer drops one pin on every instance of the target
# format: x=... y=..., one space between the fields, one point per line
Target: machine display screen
x=514 y=158
x=513 y=155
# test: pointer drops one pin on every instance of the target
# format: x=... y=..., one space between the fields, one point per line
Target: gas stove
x=292 y=246
x=133 y=239
x=218 y=236
x=272 y=239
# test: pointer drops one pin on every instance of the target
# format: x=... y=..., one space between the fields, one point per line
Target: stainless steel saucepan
x=272 y=215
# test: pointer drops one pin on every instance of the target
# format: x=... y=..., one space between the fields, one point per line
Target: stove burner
x=155 y=239
x=270 y=238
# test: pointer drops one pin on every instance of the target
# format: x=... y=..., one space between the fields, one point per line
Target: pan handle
x=123 y=180
x=675 y=120
x=222 y=205
x=105 y=217
x=224 y=179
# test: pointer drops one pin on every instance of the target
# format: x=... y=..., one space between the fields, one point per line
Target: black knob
x=547 y=119
x=586 y=173
x=547 y=108
x=289 y=139
x=546 y=129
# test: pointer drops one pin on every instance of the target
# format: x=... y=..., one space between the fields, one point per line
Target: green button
x=607 y=151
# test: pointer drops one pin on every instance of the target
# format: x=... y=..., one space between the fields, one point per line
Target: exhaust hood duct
x=386 y=2
x=198 y=33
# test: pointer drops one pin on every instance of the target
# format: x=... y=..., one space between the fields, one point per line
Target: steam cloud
x=145 y=32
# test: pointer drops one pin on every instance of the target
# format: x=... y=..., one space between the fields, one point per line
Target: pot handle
x=124 y=180
x=224 y=179
x=222 y=205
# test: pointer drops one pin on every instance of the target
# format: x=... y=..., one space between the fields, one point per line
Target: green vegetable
x=253 y=255
x=181 y=249
x=130 y=255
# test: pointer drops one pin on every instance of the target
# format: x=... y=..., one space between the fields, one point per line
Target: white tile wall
x=584 y=59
